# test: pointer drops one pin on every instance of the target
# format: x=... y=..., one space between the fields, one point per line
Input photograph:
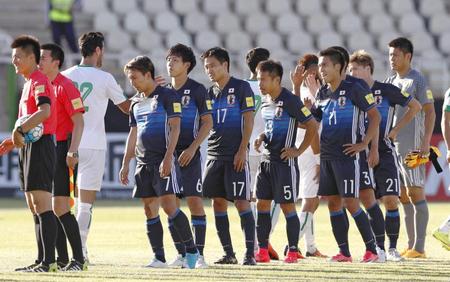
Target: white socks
x=84 y=218
x=307 y=229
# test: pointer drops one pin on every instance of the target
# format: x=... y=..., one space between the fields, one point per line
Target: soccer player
x=278 y=172
x=196 y=124
x=386 y=173
x=68 y=135
x=341 y=140
x=414 y=136
x=305 y=82
x=252 y=58
x=443 y=232
x=227 y=174
x=36 y=160
x=155 y=117
x=96 y=88
x=368 y=159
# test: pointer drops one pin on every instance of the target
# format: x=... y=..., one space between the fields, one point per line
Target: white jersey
x=258 y=126
x=304 y=93
x=96 y=88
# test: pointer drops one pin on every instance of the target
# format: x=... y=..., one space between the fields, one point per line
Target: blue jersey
x=150 y=115
x=195 y=103
x=228 y=106
x=386 y=97
x=339 y=113
x=354 y=79
x=281 y=118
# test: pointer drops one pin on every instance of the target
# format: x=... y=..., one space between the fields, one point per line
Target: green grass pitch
x=118 y=249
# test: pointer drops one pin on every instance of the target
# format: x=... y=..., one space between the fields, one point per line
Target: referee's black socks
x=72 y=231
x=37 y=230
x=48 y=230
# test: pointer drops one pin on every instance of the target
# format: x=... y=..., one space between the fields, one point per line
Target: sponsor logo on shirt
x=231 y=90
x=249 y=102
x=342 y=92
x=377 y=92
x=187 y=91
x=39 y=89
x=370 y=99
x=77 y=103
x=429 y=94
x=176 y=107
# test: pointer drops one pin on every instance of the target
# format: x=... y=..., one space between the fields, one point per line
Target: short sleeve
x=361 y=97
x=446 y=107
x=398 y=97
x=247 y=98
x=423 y=92
x=172 y=103
x=114 y=91
x=43 y=92
x=203 y=100
x=297 y=110
x=132 y=118
x=71 y=99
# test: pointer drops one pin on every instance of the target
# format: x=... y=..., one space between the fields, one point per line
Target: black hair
x=335 y=56
x=275 y=69
x=403 y=44
x=142 y=64
x=89 y=41
x=185 y=52
x=56 y=52
x=29 y=44
x=254 y=56
x=221 y=54
x=344 y=53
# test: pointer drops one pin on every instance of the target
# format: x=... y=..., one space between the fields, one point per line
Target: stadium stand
x=288 y=27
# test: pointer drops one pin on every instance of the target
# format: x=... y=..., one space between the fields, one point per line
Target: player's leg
x=237 y=187
x=37 y=230
x=213 y=187
x=348 y=185
x=421 y=216
x=90 y=174
x=254 y=166
x=179 y=260
x=264 y=205
x=166 y=188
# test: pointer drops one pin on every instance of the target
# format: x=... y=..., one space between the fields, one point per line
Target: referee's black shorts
x=37 y=164
x=61 y=185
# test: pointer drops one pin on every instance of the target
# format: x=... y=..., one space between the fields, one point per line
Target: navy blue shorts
x=191 y=178
x=148 y=183
x=339 y=177
x=387 y=175
x=277 y=181
x=222 y=181
x=366 y=177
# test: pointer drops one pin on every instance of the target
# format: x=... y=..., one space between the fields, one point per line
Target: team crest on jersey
x=185 y=100
x=342 y=92
x=154 y=103
x=231 y=90
x=231 y=99
x=378 y=99
x=341 y=101
x=187 y=91
x=278 y=112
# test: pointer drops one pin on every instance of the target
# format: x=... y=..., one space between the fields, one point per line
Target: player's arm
x=311 y=130
x=78 y=126
x=373 y=130
x=373 y=158
x=125 y=106
x=36 y=118
x=413 y=108
x=258 y=142
x=241 y=155
x=206 y=124
x=445 y=125
x=297 y=76
x=174 y=133
x=128 y=155
x=430 y=119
